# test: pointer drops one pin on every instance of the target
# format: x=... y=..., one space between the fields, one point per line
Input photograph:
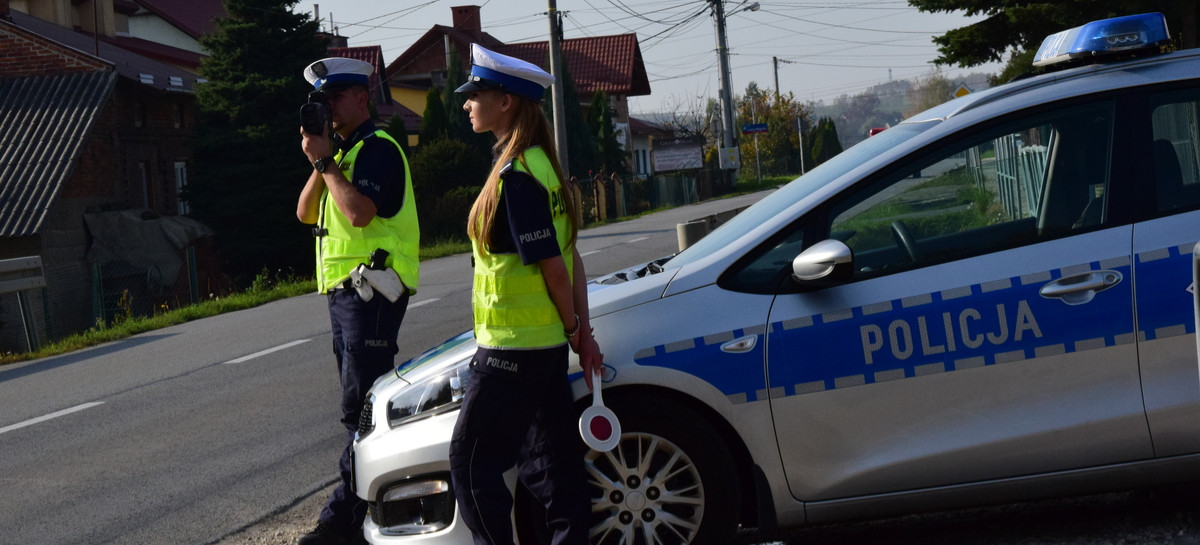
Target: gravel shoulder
x=284 y=527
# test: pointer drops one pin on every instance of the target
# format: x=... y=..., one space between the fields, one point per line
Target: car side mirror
x=828 y=260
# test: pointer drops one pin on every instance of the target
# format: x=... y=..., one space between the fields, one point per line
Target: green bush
x=443 y=165
x=445 y=218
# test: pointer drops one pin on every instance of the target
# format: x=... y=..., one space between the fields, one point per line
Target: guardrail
x=16 y=276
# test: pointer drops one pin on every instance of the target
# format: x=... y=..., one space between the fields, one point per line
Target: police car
x=990 y=301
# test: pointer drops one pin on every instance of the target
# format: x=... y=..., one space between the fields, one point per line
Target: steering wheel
x=904 y=239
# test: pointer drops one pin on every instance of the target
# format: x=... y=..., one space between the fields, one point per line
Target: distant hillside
x=886 y=104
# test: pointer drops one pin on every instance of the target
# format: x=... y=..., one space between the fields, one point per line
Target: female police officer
x=530 y=304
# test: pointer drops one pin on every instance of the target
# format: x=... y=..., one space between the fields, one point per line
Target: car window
x=1035 y=179
x=1174 y=150
x=801 y=187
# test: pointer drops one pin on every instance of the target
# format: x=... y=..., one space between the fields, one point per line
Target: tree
x=611 y=157
x=447 y=174
x=434 y=123
x=248 y=165
x=825 y=144
x=777 y=152
x=1014 y=28
x=457 y=122
x=396 y=128
x=929 y=91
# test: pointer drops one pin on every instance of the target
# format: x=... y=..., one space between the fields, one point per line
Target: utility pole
x=718 y=11
x=560 y=117
x=775 y=60
x=718 y=7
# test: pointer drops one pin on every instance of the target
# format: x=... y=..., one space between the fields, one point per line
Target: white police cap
x=337 y=72
x=491 y=70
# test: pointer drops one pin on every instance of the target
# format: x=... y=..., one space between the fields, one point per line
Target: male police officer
x=360 y=197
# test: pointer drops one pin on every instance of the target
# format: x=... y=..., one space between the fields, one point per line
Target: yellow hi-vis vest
x=512 y=306
x=344 y=246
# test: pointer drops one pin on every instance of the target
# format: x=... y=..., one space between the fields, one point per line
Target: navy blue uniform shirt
x=525 y=210
x=378 y=169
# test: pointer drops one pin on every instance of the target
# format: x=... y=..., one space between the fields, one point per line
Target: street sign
x=962 y=91
x=754 y=128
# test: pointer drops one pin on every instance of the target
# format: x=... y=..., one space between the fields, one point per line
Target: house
x=425 y=63
x=94 y=150
x=168 y=31
x=642 y=133
x=612 y=64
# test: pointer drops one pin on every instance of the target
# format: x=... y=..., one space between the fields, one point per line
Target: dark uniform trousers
x=364 y=345
x=517 y=410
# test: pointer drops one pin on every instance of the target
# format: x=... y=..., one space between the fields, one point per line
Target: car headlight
x=430 y=396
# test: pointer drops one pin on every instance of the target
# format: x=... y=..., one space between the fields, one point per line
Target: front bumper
x=404 y=474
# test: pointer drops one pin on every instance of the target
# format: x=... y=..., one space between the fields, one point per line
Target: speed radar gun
x=598 y=425
x=314 y=115
x=376 y=276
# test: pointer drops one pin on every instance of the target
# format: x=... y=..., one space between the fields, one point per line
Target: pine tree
x=248 y=164
x=457 y=122
x=611 y=156
x=396 y=128
x=434 y=126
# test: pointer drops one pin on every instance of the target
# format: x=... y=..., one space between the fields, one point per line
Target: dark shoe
x=325 y=534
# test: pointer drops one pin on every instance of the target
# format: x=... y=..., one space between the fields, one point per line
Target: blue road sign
x=753 y=128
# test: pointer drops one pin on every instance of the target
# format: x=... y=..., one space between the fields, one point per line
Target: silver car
x=990 y=301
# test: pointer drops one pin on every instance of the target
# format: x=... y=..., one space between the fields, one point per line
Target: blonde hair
x=529 y=129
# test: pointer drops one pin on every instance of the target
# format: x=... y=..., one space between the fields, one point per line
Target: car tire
x=670 y=480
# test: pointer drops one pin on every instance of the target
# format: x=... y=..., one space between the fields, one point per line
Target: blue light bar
x=1147 y=31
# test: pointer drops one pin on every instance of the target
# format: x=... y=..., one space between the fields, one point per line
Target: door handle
x=1080 y=288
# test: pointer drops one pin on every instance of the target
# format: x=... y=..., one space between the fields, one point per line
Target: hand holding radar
x=598 y=425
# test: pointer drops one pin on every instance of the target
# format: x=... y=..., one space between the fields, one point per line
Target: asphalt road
x=186 y=434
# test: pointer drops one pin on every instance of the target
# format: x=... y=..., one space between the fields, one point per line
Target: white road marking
x=585 y=254
x=267 y=351
x=50 y=416
x=636 y=240
x=423 y=302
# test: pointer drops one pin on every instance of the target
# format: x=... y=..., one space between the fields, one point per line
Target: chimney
x=4 y=13
x=466 y=18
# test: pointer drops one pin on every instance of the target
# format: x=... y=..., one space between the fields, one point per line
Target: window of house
x=177 y=115
x=181 y=187
x=144 y=178
x=139 y=114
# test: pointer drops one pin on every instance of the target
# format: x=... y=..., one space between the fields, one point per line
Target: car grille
x=366 y=420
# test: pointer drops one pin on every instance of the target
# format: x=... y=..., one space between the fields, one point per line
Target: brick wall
x=26 y=54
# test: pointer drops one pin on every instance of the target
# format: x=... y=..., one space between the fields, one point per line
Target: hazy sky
x=825 y=48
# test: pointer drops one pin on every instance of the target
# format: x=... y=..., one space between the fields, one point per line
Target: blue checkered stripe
x=992 y=323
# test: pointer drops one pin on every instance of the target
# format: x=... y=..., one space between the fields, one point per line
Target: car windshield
x=796 y=190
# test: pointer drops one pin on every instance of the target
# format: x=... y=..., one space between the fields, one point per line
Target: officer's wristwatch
x=322 y=163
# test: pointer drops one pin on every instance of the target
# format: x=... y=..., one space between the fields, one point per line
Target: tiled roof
x=46 y=121
x=195 y=17
x=129 y=65
x=612 y=64
x=415 y=59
